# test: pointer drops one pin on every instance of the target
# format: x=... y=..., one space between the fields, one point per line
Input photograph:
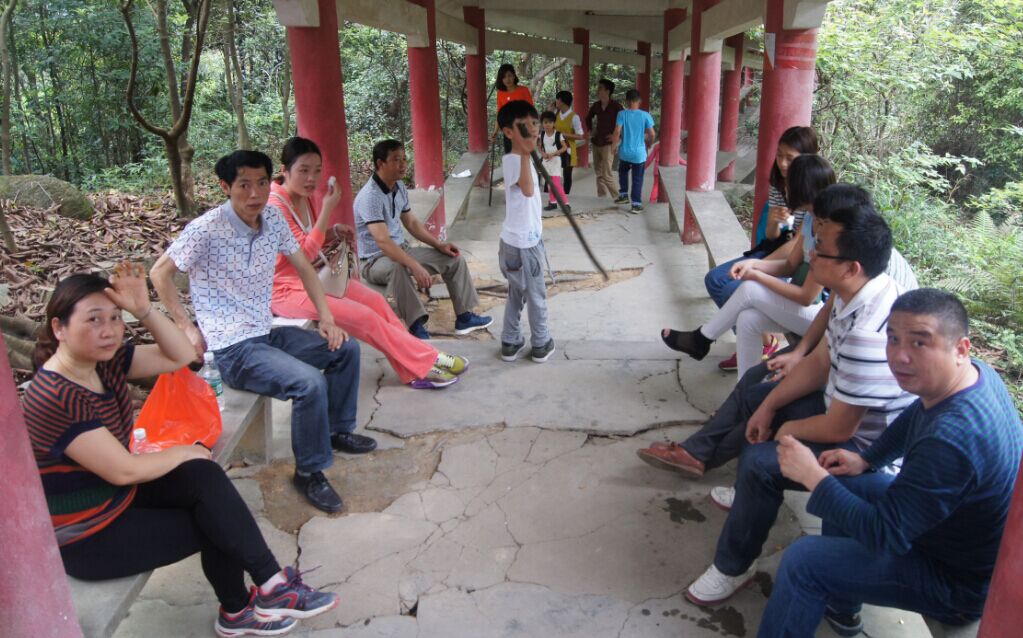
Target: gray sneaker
x=622 y=199
x=512 y=351
x=637 y=208
x=543 y=353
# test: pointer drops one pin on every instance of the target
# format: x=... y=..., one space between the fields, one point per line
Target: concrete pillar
x=643 y=74
x=705 y=91
x=476 y=84
x=581 y=92
x=320 y=101
x=671 y=98
x=730 y=107
x=35 y=598
x=427 y=135
x=1003 y=611
x=787 y=95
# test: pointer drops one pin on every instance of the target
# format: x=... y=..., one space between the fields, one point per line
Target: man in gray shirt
x=382 y=215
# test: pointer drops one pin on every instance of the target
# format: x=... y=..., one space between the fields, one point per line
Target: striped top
x=56 y=411
x=951 y=499
x=859 y=374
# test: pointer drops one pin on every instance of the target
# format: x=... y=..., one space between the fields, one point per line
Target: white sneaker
x=723 y=497
x=713 y=587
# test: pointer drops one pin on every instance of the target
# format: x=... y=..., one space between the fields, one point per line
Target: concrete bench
x=722 y=233
x=941 y=630
x=101 y=605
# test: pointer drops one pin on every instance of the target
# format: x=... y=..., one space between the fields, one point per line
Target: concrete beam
x=611 y=6
x=625 y=58
x=555 y=24
x=455 y=29
x=753 y=59
x=728 y=18
x=804 y=14
x=678 y=40
x=398 y=16
x=503 y=41
x=297 y=13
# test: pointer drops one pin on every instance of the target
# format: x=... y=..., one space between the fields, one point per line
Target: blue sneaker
x=294 y=599
x=469 y=322
x=418 y=329
x=247 y=623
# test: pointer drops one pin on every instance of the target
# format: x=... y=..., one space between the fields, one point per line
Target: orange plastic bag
x=181 y=410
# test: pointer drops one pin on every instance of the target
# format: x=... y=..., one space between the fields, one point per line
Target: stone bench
x=941 y=630
x=722 y=233
x=101 y=605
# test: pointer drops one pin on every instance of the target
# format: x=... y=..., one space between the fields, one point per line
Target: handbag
x=337 y=269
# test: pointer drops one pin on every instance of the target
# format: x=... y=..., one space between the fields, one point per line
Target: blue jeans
x=637 y=169
x=720 y=284
x=839 y=572
x=286 y=364
x=759 y=489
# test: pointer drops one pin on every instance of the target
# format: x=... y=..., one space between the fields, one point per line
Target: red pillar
x=671 y=98
x=581 y=92
x=643 y=73
x=787 y=95
x=427 y=134
x=1003 y=612
x=705 y=89
x=476 y=84
x=35 y=599
x=320 y=102
x=730 y=107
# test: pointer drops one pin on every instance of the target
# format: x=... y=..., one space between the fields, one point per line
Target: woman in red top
x=362 y=312
x=508 y=89
x=115 y=513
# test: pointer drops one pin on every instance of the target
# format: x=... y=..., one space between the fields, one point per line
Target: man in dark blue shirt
x=925 y=540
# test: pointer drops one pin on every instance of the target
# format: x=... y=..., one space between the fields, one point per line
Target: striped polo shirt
x=859 y=374
x=56 y=411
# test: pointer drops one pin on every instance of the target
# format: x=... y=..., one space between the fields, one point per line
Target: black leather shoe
x=352 y=443
x=319 y=492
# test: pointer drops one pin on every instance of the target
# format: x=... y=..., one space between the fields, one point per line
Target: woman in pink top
x=362 y=312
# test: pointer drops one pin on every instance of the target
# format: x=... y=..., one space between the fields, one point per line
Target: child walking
x=521 y=251
x=554 y=151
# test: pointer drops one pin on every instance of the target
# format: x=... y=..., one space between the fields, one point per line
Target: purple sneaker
x=435 y=378
x=294 y=599
x=248 y=623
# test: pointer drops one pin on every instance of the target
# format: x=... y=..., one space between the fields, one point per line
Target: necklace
x=90 y=380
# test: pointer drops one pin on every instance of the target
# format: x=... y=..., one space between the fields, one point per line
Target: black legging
x=566 y=178
x=193 y=508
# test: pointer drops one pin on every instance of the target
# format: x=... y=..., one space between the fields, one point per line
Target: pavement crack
x=376 y=397
x=682 y=388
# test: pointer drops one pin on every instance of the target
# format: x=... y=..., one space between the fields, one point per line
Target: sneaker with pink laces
x=771 y=348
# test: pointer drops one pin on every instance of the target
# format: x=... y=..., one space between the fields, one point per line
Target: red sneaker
x=731 y=364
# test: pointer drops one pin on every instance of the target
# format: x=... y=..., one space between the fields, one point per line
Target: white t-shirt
x=552 y=165
x=523 y=224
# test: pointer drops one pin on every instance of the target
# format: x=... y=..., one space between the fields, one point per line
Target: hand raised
x=128 y=288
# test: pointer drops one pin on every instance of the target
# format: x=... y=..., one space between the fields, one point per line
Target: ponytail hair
x=62 y=304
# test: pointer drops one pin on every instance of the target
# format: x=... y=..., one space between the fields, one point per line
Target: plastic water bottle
x=211 y=375
x=142 y=445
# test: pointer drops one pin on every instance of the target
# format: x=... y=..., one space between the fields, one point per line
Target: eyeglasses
x=817 y=253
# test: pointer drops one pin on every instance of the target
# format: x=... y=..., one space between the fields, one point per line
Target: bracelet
x=145 y=314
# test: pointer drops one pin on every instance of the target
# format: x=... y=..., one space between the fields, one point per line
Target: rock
x=43 y=191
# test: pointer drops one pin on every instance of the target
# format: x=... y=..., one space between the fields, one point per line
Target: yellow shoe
x=451 y=362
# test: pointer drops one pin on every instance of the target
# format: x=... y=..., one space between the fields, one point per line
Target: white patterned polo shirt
x=230 y=270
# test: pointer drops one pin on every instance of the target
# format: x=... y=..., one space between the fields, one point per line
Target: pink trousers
x=365 y=315
x=556 y=184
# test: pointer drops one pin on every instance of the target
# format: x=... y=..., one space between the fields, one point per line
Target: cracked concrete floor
x=513 y=504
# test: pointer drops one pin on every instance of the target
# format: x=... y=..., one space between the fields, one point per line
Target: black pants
x=566 y=178
x=193 y=508
x=723 y=438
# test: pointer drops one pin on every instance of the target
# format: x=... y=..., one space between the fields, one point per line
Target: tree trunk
x=27 y=168
x=536 y=84
x=5 y=107
x=285 y=90
x=235 y=85
x=6 y=234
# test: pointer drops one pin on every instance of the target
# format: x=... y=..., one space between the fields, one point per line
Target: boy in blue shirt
x=634 y=132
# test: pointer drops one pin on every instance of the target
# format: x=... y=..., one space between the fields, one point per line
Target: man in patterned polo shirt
x=229 y=254
x=382 y=215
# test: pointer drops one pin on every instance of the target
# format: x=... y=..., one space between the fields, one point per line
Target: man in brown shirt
x=606 y=111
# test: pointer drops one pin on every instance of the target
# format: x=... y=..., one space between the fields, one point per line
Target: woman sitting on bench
x=116 y=514
x=362 y=312
x=765 y=301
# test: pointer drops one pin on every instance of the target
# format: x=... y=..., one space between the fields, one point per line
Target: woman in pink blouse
x=362 y=312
